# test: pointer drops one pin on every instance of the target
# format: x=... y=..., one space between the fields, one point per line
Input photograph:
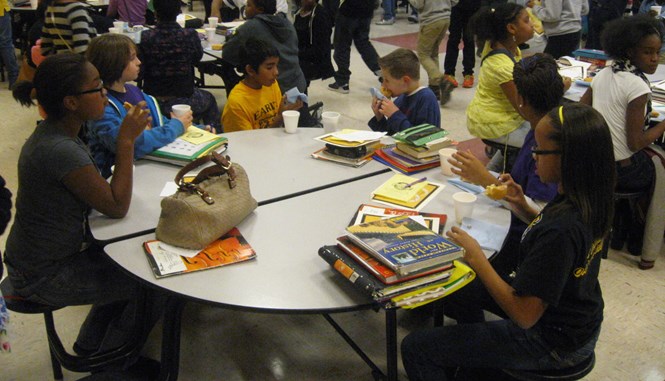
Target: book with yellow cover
x=400 y=188
x=191 y=145
x=417 y=202
x=229 y=249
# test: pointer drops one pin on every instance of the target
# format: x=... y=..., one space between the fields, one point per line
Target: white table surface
x=278 y=164
x=576 y=91
x=288 y=275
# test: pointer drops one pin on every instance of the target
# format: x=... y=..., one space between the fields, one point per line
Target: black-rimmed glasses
x=535 y=151
x=91 y=91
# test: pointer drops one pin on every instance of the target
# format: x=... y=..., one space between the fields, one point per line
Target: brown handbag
x=206 y=208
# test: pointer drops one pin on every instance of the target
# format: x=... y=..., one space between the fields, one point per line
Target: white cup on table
x=463 y=202
x=657 y=9
x=212 y=21
x=115 y=30
x=330 y=119
x=180 y=110
x=120 y=25
x=291 y=121
x=181 y=22
x=210 y=34
x=444 y=155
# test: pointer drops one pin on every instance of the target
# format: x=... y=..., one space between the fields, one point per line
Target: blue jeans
x=7 y=48
x=388 y=9
x=352 y=30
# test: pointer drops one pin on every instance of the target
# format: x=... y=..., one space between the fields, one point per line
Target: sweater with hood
x=432 y=10
x=561 y=17
x=278 y=32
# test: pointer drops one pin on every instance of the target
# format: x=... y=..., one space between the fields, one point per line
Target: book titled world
x=404 y=244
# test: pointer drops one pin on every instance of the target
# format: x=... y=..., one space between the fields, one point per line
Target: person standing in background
x=562 y=21
x=459 y=30
x=600 y=12
x=130 y=11
x=389 y=7
x=434 y=21
x=6 y=43
x=352 y=26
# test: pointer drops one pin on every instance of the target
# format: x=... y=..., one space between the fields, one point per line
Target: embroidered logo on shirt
x=596 y=247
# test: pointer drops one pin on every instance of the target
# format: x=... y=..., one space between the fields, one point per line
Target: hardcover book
x=323 y=154
x=378 y=269
x=417 y=202
x=369 y=213
x=404 y=245
x=369 y=285
x=229 y=249
x=382 y=156
x=426 y=151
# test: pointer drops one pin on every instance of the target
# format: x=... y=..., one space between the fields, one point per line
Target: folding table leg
x=391 y=343
x=171 y=339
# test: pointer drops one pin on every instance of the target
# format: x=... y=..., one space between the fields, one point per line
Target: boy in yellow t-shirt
x=257 y=102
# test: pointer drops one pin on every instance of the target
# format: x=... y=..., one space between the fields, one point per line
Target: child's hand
x=473 y=254
x=186 y=119
x=134 y=122
x=376 y=108
x=388 y=108
x=285 y=105
x=468 y=167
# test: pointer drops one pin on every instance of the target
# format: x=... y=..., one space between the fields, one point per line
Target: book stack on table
x=349 y=147
x=191 y=145
x=417 y=149
x=398 y=257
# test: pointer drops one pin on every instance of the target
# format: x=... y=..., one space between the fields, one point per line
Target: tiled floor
x=229 y=345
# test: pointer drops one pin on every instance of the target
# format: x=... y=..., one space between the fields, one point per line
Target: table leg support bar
x=375 y=369
x=391 y=343
x=170 y=360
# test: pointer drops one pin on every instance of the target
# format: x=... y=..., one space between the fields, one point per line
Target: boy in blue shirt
x=414 y=104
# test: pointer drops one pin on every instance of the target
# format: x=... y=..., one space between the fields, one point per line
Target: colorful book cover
x=382 y=157
x=229 y=249
x=368 y=213
x=376 y=268
x=369 y=285
x=403 y=244
x=182 y=151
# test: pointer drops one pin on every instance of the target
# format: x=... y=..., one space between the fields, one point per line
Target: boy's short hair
x=255 y=52
x=401 y=62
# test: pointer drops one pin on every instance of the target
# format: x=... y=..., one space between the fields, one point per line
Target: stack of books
x=417 y=149
x=658 y=91
x=396 y=260
x=193 y=144
x=349 y=147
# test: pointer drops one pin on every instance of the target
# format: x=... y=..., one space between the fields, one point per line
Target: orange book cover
x=229 y=249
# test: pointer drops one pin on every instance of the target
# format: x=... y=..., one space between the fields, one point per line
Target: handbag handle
x=222 y=165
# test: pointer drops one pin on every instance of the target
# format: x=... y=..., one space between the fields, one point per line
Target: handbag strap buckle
x=189 y=187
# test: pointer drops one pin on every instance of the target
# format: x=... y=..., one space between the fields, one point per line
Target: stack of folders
x=398 y=261
x=349 y=147
x=417 y=149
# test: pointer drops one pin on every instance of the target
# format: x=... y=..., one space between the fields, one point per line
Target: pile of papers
x=349 y=147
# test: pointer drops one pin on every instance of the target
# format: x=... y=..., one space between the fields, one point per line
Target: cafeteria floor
x=227 y=345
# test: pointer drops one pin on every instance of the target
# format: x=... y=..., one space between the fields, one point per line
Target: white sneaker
x=386 y=22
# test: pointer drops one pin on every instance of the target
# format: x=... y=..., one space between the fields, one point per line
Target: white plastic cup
x=657 y=9
x=210 y=33
x=115 y=30
x=34 y=4
x=120 y=25
x=291 y=121
x=463 y=205
x=180 y=110
x=212 y=21
x=444 y=155
x=181 y=22
x=330 y=119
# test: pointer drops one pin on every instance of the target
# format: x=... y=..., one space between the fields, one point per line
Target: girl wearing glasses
x=50 y=256
x=540 y=88
x=622 y=93
x=553 y=306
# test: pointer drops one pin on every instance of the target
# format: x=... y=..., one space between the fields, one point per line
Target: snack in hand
x=496 y=192
x=216 y=46
x=654 y=114
x=127 y=105
x=386 y=92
